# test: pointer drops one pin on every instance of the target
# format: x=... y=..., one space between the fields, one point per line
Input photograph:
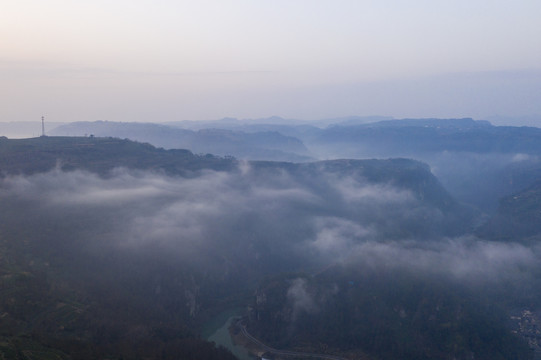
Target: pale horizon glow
x=306 y=59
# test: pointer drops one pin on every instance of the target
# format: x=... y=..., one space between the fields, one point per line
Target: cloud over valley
x=258 y=217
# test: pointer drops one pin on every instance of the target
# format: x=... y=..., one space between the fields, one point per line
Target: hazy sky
x=163 y=60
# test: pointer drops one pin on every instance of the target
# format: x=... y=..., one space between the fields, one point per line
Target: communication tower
x=43 y=126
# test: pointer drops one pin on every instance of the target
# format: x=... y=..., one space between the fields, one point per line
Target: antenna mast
x=43 y=126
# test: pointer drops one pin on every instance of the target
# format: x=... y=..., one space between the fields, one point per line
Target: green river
x=217 y=330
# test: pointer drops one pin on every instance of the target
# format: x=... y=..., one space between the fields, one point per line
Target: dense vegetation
x=61 y=299
x=518 y=217
x=100 y=155
x=384 y=314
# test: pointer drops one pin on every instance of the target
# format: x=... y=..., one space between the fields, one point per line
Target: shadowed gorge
x=113 y=248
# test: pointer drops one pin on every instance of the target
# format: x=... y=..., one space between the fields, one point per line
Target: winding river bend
x=217 y=331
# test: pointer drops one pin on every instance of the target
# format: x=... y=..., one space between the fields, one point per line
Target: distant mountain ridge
x=463 y=153
x=274 y=139
x=463 y=123
x=421 y=136
x=269 y=145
